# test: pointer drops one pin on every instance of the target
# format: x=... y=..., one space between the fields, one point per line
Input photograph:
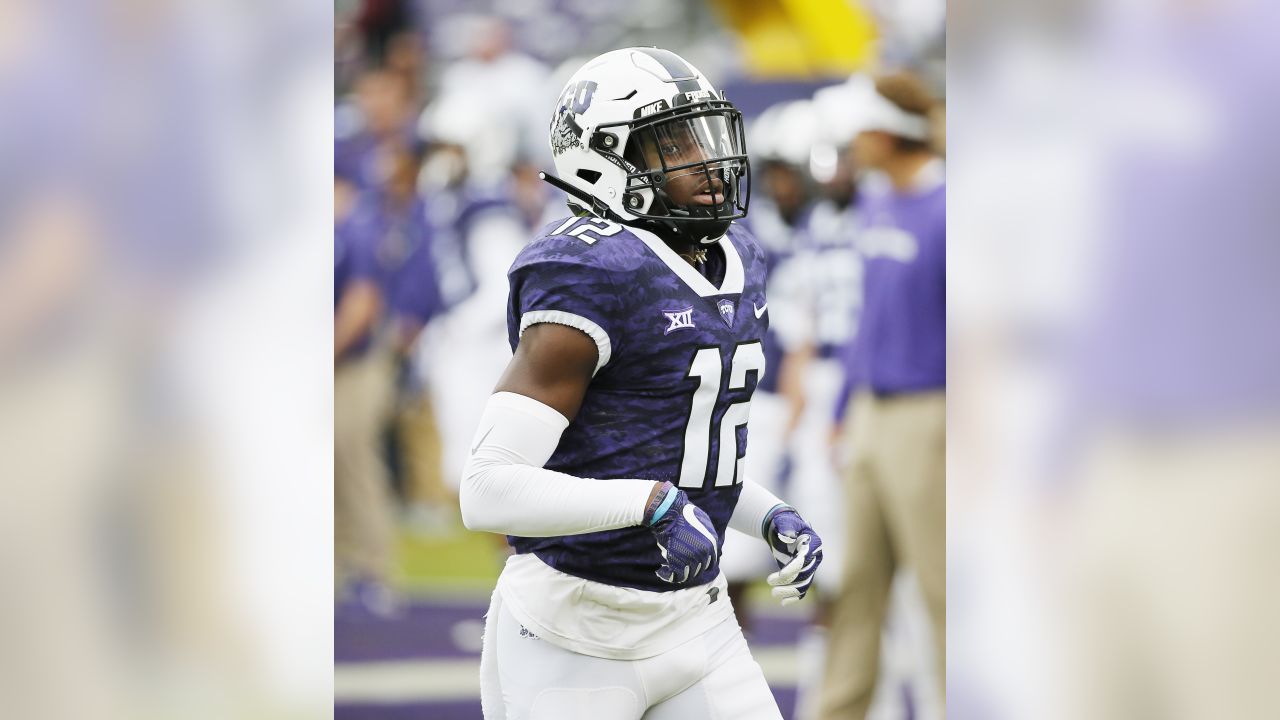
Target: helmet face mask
x=645 y=135
x=693 y=162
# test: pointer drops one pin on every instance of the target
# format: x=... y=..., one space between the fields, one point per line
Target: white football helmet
x=630 y=122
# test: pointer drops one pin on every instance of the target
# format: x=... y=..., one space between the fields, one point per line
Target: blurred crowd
x=441 y=122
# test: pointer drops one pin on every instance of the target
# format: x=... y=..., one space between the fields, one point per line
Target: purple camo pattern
x=633 y=420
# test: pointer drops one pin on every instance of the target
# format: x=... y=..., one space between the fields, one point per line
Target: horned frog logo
x=566 y=133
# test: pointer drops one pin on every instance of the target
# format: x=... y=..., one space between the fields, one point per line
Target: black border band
x=683 y=75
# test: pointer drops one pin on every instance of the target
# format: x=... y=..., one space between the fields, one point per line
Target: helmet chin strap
x=690 y=233
x=710 y=230
x=694 y=230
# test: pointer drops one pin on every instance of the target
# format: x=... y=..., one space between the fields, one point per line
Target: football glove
x=686 y=538
x=798 y=550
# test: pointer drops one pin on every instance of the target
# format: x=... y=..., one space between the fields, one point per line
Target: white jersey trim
x=606 y=621
x=560 y=317
x=734 y=275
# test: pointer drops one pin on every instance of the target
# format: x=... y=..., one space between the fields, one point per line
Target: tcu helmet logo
x=566 y=133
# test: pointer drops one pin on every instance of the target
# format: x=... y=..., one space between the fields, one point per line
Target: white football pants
x=711 y=677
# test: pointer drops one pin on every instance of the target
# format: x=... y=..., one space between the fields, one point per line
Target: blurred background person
x=896 y=369
x=406 y=254
x=828 y=270
x=164 y=246
x=1112 y=389
x=494 y=89
x=371 y=125
x=363 y=374
x=778 y=218
x=480 y=226
x=1171 y=408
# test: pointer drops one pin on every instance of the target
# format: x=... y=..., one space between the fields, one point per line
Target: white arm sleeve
x=754 y=504
x=506 y=490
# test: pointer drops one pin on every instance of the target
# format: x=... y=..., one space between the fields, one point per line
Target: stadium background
x=464 y=90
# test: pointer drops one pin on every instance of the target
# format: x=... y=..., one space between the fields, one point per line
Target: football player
x=611 y=451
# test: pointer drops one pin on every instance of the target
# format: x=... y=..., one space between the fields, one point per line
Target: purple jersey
x=355 y=260
x=405 y=253
x=679 y=361
x=901 y=343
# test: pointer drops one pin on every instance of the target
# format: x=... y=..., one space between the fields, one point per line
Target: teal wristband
x=667 y=502
x=768 y=518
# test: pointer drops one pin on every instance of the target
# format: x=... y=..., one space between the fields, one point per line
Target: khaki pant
x=420 y=453
x=362 y=505
x=896 y=509
x=1171 y=580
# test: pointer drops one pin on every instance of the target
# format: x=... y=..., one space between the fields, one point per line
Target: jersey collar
x=733 y=274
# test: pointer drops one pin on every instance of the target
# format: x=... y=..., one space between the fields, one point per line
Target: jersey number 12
x=708 y=366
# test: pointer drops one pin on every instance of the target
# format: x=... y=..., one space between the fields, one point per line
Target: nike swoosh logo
x=481 y=440
x=760 y=309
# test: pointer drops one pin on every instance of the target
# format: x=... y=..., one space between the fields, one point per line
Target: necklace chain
x=695 y=256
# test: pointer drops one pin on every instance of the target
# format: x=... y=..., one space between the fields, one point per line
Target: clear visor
x=684 y=144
